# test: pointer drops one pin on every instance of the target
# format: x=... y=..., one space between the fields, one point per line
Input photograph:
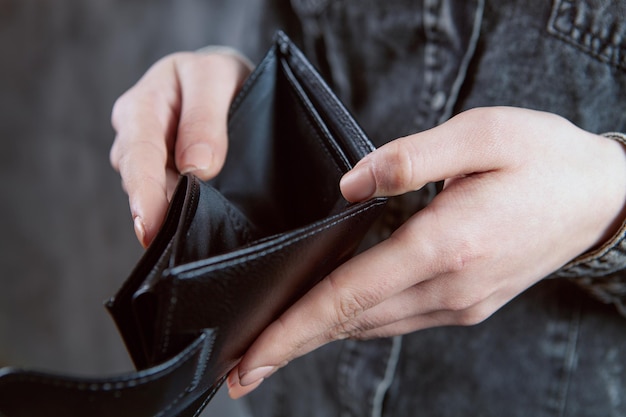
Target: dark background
x=67 y=241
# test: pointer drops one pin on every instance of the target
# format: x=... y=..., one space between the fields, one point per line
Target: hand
x=525 y=192
x=173 y=121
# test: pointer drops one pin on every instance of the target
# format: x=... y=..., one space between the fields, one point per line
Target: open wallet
x=232 y=254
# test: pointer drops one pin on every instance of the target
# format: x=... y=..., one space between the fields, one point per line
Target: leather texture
x=232 y=255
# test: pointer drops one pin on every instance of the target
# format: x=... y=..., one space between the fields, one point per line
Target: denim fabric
x=404 y=66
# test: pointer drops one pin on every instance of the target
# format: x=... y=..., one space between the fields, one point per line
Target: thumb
x=206 y=97
x=466 y=144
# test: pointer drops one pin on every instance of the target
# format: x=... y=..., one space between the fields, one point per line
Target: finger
x=353 y=288
x=148 y=195
x=145 y=120
x=446 y=151
x=434 y=316
x=236 y=390
x=412 y=274
x=206 y=96
x=446 y=314
x=448 y=299
x=409 y=325
x=422 y=306
x=416 y=308
x=411 y=306
x=343 y=295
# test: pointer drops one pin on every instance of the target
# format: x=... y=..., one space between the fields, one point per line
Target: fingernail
x=140 y=230
x=237 y=391
x=255 y=375
x=197 y=157
x=358 y=184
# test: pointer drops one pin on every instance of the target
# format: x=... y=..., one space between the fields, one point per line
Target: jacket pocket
x=598 y=27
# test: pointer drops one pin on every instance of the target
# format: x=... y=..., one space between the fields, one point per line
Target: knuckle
x=463 y=295
x=473 y=315
x=494 y=117
x=460 y=257
x=195 y=126
x=120 y=108
x=465 y=247
x=491 y=127
x=142 y=104
x=350 y=303
x=396 y=174
x=342 y=331
x=468 y=306
x=459 y=303
x=114 y=156
x=353 y=329
x=451 y=253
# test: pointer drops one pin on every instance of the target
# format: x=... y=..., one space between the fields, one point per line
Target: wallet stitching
x=200 y=368
x=113 y=384
x=256 y=255
x=169 y=316
x=172 y=404
x=121 y=383
x=291 y=240
x=203 y=358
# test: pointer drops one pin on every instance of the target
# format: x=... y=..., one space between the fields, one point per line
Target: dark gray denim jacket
x=403 y=66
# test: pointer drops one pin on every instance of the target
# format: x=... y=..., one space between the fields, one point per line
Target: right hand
x=172 y=122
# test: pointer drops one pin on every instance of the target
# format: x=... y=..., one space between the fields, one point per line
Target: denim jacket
x=403 y=66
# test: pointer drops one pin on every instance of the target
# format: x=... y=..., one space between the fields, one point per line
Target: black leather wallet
x=231 y=256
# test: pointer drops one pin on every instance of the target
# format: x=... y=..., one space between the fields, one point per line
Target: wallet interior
x=282 y=171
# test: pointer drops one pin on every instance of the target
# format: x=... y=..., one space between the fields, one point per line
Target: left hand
x=173 y=121
x=525 y=192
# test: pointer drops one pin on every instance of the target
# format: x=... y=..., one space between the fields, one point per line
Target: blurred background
x=66 y=236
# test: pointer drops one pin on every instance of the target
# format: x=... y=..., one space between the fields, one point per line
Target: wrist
x=606 y=256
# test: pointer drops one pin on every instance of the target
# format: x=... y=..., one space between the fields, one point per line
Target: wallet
x=232 y=254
